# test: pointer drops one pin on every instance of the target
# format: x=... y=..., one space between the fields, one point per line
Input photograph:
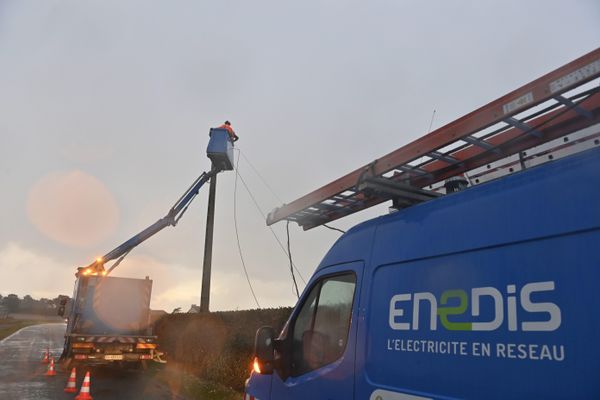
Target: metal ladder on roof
x=545 y=112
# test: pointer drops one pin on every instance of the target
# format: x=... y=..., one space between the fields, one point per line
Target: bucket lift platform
x=545 y=112
x=220 y=149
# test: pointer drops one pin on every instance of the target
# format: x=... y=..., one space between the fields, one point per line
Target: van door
x=318 y=346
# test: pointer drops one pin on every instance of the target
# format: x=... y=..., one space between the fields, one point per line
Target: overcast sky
x=106 y=106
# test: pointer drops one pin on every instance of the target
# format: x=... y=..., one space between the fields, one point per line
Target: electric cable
x=264 y=181
x=261 y=177
x=431 y=122
x=333 y=228
x=270 y=228
x=237 y=236
x=287 y=229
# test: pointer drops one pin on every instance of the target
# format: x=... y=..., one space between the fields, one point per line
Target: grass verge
x=10 y=326
x=189 y=386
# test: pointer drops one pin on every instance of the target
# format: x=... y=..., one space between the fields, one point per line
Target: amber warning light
x=256 y=365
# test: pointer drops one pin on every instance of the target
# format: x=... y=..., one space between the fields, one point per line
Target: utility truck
x=109 y=318
x=487 y=292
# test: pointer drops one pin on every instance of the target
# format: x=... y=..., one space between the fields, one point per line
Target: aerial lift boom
x=108 y=317
x=221 y=154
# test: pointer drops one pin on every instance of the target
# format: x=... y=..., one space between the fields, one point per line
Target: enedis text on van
x=454 y=303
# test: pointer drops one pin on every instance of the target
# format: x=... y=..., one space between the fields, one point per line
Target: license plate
x=113 y=357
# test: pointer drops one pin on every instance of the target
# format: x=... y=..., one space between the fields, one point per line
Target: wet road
x=22 y=373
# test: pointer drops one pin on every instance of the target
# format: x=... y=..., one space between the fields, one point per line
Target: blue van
x=492 y=292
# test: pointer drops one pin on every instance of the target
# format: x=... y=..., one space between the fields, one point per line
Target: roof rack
x=559 y=103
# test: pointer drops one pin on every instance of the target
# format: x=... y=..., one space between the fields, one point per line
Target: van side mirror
x=264 y=350
x=61 y=311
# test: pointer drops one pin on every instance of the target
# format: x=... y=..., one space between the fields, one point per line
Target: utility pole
x=208 y=244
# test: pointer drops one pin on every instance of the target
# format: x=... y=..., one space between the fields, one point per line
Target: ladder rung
x=523 y=126
x=339 y=197
x=327 y=207
x=481 y=143
x=568 y=103
x=408 y=168
x=442 y=157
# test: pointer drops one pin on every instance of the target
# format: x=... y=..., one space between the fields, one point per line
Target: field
x=15 y=322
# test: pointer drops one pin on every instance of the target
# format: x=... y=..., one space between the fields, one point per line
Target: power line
x=270 y=228
x=333 y=228
x=287 y=229
x=261 y=177
x=237 y=236
x=431 y=122
x=264 y=181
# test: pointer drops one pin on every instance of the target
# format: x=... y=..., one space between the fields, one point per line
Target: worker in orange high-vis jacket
x=232 y=135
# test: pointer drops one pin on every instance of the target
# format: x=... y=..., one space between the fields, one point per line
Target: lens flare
x=72 y=208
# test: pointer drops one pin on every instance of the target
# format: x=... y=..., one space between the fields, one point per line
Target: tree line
x=28 y=305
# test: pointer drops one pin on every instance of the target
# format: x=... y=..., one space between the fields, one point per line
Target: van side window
x=321 y=328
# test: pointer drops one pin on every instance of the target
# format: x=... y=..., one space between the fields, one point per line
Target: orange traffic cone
x=84 y=394
x=72 y=382
x=51 y=371
x=46 y=360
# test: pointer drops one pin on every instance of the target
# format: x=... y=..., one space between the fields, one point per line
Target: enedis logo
x=517 y=317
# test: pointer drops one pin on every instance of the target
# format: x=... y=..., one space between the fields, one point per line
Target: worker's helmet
x=227 y=123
